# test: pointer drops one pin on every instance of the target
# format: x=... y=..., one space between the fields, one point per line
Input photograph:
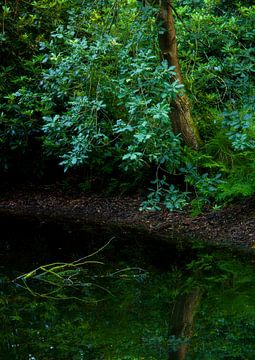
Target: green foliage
x=99 y=94
x=218 y=63
x=90 y=126
x=217 y=55
x=166 y=195
x=204 y=185
x=82 y=85
x=24 y=25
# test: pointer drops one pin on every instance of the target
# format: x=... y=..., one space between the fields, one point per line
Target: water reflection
x=181 y=321
x=192 y=303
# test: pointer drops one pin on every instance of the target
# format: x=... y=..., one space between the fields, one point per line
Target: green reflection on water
x=199 y=305
x=130 y=322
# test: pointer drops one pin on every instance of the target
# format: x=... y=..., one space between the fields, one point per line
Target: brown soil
x=233 y=225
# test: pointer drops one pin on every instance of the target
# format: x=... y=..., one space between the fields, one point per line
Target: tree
x=180 y=115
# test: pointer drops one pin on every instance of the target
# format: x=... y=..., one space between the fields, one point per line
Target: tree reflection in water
x=195 y=303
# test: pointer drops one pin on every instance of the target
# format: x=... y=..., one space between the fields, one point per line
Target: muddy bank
x=234 y=224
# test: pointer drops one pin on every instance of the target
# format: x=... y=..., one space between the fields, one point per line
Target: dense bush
x=219 y=68
x=24 y=25
x=86 y=88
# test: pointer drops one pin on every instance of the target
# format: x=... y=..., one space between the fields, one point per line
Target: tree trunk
x=180 y=114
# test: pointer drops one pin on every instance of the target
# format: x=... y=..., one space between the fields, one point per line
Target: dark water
x=139 y=298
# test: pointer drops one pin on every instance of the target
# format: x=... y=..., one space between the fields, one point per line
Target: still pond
x=111 y=293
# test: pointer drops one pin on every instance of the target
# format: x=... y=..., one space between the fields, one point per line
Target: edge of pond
x=210 y=228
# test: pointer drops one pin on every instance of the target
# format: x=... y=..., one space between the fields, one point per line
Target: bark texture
x=180 y=114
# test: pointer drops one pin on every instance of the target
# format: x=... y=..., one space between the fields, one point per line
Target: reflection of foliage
x=223 y=337
x=119 y=327
x=61 y=281
x=225 y=323
x=134 y=322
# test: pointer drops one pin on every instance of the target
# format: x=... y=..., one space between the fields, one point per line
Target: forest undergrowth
x=86 y=100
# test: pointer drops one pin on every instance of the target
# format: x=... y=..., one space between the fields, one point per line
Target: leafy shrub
x=133 y=123
x=86 y=88
x=166 y=195
x=24 y=25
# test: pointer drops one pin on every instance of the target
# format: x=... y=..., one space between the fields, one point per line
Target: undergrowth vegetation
x=82 y=85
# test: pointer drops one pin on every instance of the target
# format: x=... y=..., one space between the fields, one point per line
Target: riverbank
x=234 y=224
